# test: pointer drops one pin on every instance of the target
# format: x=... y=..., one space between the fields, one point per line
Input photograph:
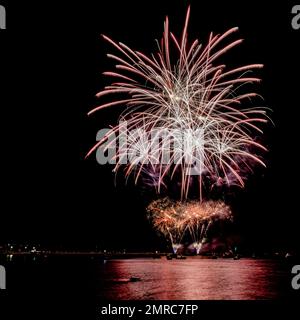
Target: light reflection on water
x=192 y=279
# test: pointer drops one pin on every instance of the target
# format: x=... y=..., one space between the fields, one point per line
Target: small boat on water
x=134 y=279
x=175 y=256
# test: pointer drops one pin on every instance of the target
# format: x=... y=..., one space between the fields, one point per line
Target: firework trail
x=175 y=218
x=201 y=216
x=167 y=219
x=189 y=92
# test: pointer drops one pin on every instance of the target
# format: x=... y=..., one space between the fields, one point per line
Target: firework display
x=176 y=218
x=183 y=114
x=185 y=118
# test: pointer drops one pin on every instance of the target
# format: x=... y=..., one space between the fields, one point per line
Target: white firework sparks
x=185 y=93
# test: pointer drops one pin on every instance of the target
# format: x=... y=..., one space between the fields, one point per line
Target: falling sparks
x=175 y=218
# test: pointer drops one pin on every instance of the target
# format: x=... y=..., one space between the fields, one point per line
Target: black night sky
x=52 y=58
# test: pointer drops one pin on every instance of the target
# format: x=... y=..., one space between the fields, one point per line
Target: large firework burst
x=164 y=95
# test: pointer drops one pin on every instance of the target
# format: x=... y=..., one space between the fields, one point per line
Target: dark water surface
x=157 y=279
x=194 y=279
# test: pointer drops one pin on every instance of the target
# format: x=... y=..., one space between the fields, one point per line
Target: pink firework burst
x=184 y=113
